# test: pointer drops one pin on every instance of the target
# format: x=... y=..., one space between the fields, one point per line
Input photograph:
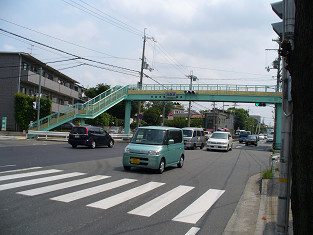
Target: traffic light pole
x=286 y=133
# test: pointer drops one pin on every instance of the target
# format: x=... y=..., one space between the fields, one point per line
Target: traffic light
x=260 y=104
x=278 y=9
x=190 y=92
x=175 y=103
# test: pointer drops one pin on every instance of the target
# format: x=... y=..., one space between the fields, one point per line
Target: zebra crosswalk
x=190 y=214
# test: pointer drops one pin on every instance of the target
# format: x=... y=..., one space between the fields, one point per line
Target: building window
x=25 y=66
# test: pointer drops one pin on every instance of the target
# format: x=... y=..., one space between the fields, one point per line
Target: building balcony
x=50 y=85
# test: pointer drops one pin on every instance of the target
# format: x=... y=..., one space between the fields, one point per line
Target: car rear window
x=79 y=130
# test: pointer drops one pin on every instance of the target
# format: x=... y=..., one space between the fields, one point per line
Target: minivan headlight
x=153 y=152
x=127 y=150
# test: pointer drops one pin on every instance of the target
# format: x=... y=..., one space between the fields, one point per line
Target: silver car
x=220 y=140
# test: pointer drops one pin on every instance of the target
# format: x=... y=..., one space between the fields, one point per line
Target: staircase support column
x=127 y=117
x=82 y=122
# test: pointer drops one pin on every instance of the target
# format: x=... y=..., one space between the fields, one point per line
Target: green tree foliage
x=179 y=122
x=241 y=117
x=24 y=112
x=103 y=119
x=94 y=91
x=196 y=122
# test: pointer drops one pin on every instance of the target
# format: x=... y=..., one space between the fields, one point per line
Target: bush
x=24 y=112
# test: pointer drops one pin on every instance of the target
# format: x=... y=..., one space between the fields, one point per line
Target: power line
x=122 y=26
x=72 y=55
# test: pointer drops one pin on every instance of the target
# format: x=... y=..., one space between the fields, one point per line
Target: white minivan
x=220 y=140
x=193 y=137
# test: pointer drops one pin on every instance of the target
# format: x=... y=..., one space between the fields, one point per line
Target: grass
x=267 y=174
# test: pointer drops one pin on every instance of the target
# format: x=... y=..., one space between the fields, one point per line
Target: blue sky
x=219 y=41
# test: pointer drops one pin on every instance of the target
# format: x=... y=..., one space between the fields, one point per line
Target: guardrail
x=47 y=133
x=65 y=134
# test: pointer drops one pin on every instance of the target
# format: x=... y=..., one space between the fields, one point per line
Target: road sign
x=170 y=116
x=140 y=116
x=4 y=124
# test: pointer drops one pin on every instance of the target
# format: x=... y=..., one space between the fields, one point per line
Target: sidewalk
x=256 y=211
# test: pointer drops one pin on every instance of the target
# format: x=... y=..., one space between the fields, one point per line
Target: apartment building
x=19 y=72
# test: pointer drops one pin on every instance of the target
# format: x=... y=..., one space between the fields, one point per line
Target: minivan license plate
x=135 y=161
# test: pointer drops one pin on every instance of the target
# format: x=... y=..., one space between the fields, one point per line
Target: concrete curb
x=261 y=220
x=243 y=220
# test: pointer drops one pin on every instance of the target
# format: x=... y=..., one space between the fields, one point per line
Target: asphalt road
x=200 y=197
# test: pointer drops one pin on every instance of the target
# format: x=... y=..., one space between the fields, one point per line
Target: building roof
x=39 y=62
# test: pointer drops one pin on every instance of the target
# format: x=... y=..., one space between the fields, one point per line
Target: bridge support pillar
x=127 y=117
x=279 y=112
x=82 y=122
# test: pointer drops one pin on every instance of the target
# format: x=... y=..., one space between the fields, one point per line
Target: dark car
x=252 y=139
x=90 y=136
x=243 y=135
x=64 y=127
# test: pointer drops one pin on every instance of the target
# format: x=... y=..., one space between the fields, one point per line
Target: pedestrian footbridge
x=159 y=92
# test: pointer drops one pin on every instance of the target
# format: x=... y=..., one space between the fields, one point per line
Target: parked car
x=261 y=137
x=193 y=137
x=243 y=135
x=220 y=140
x=114 y=130
x=270 y=138
x=155 y=147
x=252 y=139
x=90 y=136
x=64 y=127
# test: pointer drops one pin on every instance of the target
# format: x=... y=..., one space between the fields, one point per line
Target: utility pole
x=192 y=78
x=141 y=70
x=286 y=134
x=39 y=96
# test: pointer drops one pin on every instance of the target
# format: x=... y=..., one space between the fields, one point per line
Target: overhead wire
x=72 y=55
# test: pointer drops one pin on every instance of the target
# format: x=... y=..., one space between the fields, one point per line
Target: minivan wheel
x=161 y=166
x=110 y=145
x=181 y=162
x=93 y=144
x=126 y=168
x=74 y=146
x=202 y=145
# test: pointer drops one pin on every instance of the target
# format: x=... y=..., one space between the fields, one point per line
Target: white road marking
x=23 y=175
x=193 y=231
x=55 y=187
x=199 y=207
x=25 y=169
x=125 y=196
x=38 y=181
x=91 y=191
x=160 y=202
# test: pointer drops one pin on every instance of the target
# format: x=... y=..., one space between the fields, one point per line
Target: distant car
x=193 y=137
x=252 y=140
x=220 y=140
x=261 y=137
x=114 y=130
x=90 y=136
x=243 y=135
x=270 y=138
x=64 y=127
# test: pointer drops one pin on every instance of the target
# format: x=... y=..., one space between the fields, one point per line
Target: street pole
x=190 y=88
x=39 y=96
x=286 y=134
x=141 y=74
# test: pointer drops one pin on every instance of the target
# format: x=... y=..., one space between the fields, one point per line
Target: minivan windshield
x=219 y=136
x=187 y=133
x=149 y=136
